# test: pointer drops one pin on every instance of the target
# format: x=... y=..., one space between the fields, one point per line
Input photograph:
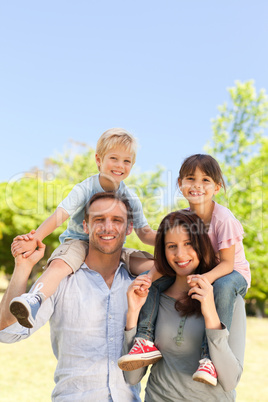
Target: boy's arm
x=225 y=267
x=18 y=283
x=146 y=235
x=27 y=243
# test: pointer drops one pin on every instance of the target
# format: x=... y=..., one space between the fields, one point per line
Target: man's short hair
x=115 y=137
x=112 y=196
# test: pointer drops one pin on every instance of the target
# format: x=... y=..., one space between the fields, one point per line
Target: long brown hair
x=200 y=242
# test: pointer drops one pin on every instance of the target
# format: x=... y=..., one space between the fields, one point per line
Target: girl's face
x=198 y=188
x=179 y=252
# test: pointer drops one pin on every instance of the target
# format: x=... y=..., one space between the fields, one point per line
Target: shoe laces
x=139 y=343
x=34 y=297
x=207 y=363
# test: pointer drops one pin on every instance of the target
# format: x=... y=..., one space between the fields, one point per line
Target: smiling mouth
x=117 y=173
x=183 y=264
x=196 y=193
x=107 y=237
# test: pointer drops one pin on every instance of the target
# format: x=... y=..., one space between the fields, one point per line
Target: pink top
x=224 y=231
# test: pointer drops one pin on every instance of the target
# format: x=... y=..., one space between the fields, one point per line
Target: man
x=88 y=311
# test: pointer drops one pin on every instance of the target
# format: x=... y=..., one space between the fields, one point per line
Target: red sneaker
x=142 y=354
x=206 y=372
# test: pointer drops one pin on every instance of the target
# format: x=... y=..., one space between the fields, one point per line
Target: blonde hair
x=115 y=137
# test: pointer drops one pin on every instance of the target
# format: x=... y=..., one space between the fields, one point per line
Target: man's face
x=107 y=225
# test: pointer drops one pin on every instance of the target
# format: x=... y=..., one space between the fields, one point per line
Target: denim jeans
x=225 y=291
x=149 y=311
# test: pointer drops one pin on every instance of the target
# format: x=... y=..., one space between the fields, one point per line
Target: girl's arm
x=225 y=267
x=146 y=235
x=27 y=243
x=140 y=265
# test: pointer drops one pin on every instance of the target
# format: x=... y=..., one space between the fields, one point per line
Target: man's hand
x=33 y=258
x=24 y=244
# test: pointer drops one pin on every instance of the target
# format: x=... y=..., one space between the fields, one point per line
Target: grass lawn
x=26 y=371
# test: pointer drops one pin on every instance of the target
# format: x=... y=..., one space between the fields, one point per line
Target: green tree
x=239 y=144
x=238 y=129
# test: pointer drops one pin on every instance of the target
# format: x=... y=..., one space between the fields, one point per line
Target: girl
x=200 y=178
x=184 y=313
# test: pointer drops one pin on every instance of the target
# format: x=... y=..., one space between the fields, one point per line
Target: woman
x=183 y=248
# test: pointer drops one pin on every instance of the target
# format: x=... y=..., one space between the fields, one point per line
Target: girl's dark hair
x=206 y=163
x=200 y=242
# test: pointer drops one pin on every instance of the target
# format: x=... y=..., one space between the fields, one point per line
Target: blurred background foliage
x=239 y=144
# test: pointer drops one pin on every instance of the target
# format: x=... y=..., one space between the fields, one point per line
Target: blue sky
x=72 y=69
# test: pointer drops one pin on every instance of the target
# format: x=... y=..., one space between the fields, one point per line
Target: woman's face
x=179 y=251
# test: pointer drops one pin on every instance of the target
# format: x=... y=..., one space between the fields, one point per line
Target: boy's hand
x=24 y=244
x=26 y=237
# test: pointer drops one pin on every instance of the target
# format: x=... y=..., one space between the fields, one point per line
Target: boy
x=115 y=156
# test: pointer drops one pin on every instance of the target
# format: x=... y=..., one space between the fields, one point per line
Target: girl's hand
x=203 y=291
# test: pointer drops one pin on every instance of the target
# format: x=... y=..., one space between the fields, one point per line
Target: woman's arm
x=227 y=349
x=136 y=299
x=132 y=377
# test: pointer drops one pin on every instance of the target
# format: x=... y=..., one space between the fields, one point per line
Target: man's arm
x=27 y=243
x=18 y=283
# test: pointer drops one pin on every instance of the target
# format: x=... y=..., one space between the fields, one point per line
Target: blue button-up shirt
x=87 y=321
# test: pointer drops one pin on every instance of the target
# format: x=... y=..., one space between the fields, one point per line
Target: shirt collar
x=84 y=266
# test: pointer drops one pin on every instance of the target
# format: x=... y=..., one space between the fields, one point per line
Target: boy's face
x=116 y=163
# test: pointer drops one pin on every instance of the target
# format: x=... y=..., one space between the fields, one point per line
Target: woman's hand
x=137 y=292
x=136 y=295
x=203 y=291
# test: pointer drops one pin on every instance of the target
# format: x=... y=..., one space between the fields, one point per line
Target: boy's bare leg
x=51 y=278
x=26 y=306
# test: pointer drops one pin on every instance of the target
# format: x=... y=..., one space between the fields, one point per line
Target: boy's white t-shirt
x=75 y=202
